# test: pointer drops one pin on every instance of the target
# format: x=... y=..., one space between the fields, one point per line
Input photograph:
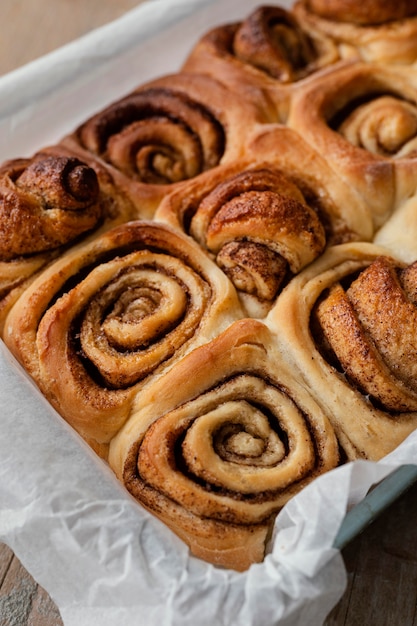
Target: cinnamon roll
x=347 y=323
x=364 y=122
x=369 y=12
x=167 y=131
x=377 y=31
x=218 y=445
x=96 y=325
x=49 y=203
x=266 y=52
x=266 y=217
x=344 y=214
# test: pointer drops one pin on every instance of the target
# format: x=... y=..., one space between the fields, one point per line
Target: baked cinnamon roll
x=370 y=12
x=104 y=319
x=218 y=445
x=377 y=31
x=49 y=203
x=167 y=131
x=347 y=323
x=266 y=52
x=344 y=214
x=266 y=217
x=364 y=122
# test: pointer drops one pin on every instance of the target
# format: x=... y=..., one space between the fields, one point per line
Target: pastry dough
x=166 y=131
x=256 y=225
x=266 y=217
x=343 y=212
x=218 y=445
x=265 y=53
x=335 y=324
x=49 y=203
x=95 y=326
x=370 y=12
x=374 y=31
x=363 y=122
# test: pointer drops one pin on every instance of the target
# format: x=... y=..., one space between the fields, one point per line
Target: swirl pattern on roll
x=348 y=322
x=46 y=203
x=385 y=125
x=271 y=40
x=364 y=122
x=265 y=217
x=156 y=136
x=373 y=31
x=370 y=12
x=228 y=450
x=166 y=131
x=357 y=324
x=49 y=203
x=113 y=313
x=255 y=223
x=268 y=51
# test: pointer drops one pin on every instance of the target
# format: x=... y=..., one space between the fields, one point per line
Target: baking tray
x=378 y=499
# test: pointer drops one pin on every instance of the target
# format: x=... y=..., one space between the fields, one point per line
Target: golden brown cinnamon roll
x=217 y=446
x=376 y=30
x=257 y=226
x=369 y=12
x=165 y=132
x=47 y=204
x=98 y=323
x=364 y=122
x=343 y=213
x=348 y=325
x=265 y=218
x=264 y=53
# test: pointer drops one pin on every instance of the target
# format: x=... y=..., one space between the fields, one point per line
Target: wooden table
x=381 y=563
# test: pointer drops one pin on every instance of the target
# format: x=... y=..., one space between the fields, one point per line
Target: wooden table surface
x=381 y=562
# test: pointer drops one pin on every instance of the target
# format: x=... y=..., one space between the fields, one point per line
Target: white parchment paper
x=102 y=558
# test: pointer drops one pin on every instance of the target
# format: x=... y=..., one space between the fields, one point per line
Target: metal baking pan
x=378 y=499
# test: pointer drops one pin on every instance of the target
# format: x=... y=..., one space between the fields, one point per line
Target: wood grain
x=382 y=570
x=22 y=601
x=32 y=28
x=381 y=563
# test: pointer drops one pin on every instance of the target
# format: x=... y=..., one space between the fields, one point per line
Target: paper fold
x=104 y=559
